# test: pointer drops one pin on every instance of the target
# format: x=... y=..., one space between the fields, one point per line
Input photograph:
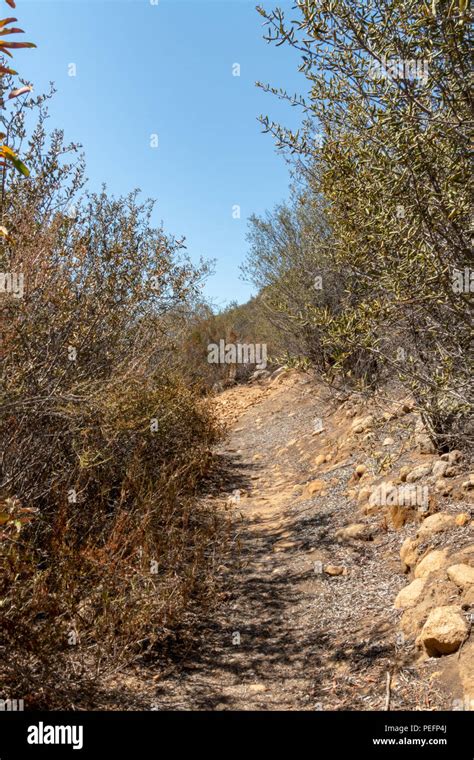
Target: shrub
x=385 y=143
x=108 y=550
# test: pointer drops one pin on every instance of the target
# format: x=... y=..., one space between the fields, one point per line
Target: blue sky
x=166 y=70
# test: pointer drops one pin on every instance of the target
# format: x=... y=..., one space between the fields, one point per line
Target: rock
x=343 y=451
x=437 y=592
x=424 y=444
x=334 y=569
x=462 y=519
x=468 y=597
x=409 y=595
x=442 y=487
x=404 y=471
x=436 y=524
x=439 y=468
x=388 y=441
x=464 y=555
x=452 y=456
x=256 y=688
x=455 y=456
x=434 y=560
x=278 y=372
x=314 y=486
x=361 y=424
x=355 y=531
x=466 y=673
x=283 y=545
x=260 y=374
x=360 y=470
x=328 y=457
x=320 y=459
x=408 y=406
x=418 y=472
x=422 y=440
x=462 y=575
x=444 y=631
x=450 y=472
x=413 y=620
x=468 y=485
x=409 y=553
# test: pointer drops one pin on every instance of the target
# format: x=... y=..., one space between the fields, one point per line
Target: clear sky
x=167 y=70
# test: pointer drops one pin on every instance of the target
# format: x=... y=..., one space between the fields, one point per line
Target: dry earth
x=307 y=620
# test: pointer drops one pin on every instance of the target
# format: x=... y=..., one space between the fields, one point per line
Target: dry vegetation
x=370 y=263
x=107 y=551
x=107 y=430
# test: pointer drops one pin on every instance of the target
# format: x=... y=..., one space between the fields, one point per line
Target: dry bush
x=108 y=551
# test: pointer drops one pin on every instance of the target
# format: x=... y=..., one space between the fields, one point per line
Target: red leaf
x=11 y=3
x=16 y=45
x=5 y=21
x=13 y=30
x=20 y=91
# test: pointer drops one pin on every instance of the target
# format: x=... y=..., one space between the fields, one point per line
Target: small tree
x=386 y=143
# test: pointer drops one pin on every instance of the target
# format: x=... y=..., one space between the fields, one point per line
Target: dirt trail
x=288 y=635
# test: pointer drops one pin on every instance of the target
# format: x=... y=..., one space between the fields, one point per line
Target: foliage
x=385 y=142
x=108 y=549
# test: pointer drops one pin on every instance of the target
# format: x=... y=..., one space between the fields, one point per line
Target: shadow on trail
x=227 y=474
x=258 y=641
x=254 y=642
x=264 y=633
